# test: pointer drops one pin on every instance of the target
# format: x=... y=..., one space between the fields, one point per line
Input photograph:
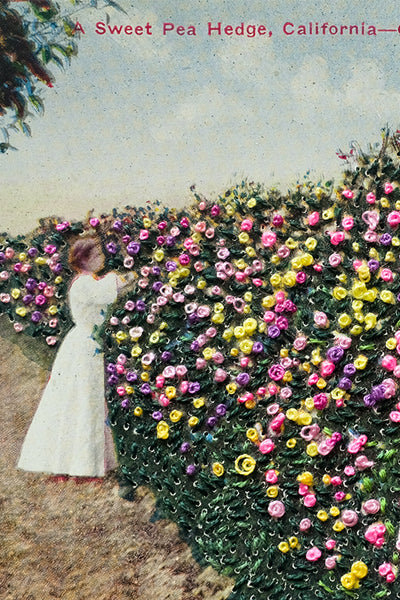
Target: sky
x=141 y=118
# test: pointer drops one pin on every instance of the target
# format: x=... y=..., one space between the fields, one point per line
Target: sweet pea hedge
x=252 y=373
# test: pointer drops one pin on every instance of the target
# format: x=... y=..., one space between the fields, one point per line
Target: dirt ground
x=77 y=541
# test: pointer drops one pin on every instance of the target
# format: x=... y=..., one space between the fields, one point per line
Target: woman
x=68 y=435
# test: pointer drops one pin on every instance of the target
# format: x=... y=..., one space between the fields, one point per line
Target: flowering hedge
x=252 y=373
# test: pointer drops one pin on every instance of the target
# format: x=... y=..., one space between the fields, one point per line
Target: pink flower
x=327 y=368
x=304 y=525
x=330 y=562
x=309 y=500
x=268 y=238
x=283 y=251
x=389 y=362
x=321 y=319
x=266 y=446
x=312 y=380
x=181 y=370
x=371 y=506
x=201 y=363
x=143 y=234
x=394 y=416
x=300 y=343
x=386 y=275
x=220 y=375
x=301 y=277
x=18 y=327
x=348 y=194
x=277 y=422
x=393 y=218
x=385 y=569
x=335 y=259
x=320 y=401
x=343 y=341
x=313 y=554
x=340 y=496
x=362 y=462
x=313 y=218
x=276 y=372
x=276 y=509
x=94 y=222
x=371 y=198
x=330 y=544
x=246 y=225
x=51 y=340
x=271 y=476
x=371 y=218
x=388 y=189
x=349 y=518
x=337 y=237
x=347 y=223
x=349 y=470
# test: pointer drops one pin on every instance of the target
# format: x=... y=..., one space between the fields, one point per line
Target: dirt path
x=70 y=541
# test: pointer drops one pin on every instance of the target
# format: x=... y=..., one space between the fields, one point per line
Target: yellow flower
x=344 y=320
x=272 y=491
x=159 y=255
x=395 y=241
x=275 y=279
x=321 y=383
x=284 y=547
x=358 y=290
x=329 y=213
x=356 y=247
x=129 y=389
x=193 y=421
x=170 y=392
x=208 y=353
x=369 y=321
x=287 y=377
x=326 y=479
x=245 y=464
x=218 y=318
x=246 y=309
x=136 y=351
x=162 y=430
x=21 y=311
x=228 y=333
x=201 y=284
x=241 y=264
x=198 y=402
x=284 y=352
x=268 y=302
x=144 y=376
x=275 y=260
x=364 y=274
x=292 y=414
x=248 y=296
x=360 y=362
x=307 y=259
x=230 y=210
x=309 y=403
x=334 y=511
x=391 y=343
x=322 y=515
x=387 y=297
x=338 y=526
x=218 y=307
x=234 y=352
x=289 y=278
x=163 y=325
x=389 y=256
x=138 y=411
x=297 y=263
x=337 y=393
x=22 y=256
x=252 y=203
x=342 y=277
x=359 y=569
x=176 y=416
x=196 y=237
x=231 y=388
x=316 y=356
x=58 y=280
x=40 y=260
x=311 y=243
x=385 y=203
x=53 y=310
x=239 y=332
x=250 y=325
x=252 y=434
x=218 y=469
x=121 y=336
x=306 y=367
x=357 y=305
x=244 y=237
x=293 y=541
x=251 y=252
x=339 y=293
x=349 y=581
x=304 y=418
x=370 y=295
x=291 y=443
x=356 y=330
x=154 y=338
x=146 y=222
x=306 y=478
x=15 y=293
x=291 y=243
x=312 y=449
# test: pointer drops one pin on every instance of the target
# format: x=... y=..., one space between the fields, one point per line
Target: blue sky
x=142 y=118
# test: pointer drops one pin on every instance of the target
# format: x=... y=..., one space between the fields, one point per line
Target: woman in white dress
x=68 y=435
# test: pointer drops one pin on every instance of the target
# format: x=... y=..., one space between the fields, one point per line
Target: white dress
x=68 y=435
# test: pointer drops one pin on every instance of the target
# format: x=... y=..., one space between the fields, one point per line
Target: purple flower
x=258 y=348
x=27 y=299
x=195 y=346
x=140 y=305
x=193 y=318
x=32 y=252
x=57 y=268
x=131 y=376
x=111 y=368
x=126 y=239
x=166 y=356
x=194 y=387
x=112 y=247
x=243 y=379
x=157 y=415
x=190 y=470
x=369 y=402
x=133 y=248
x=117 y=225
x=349 y=369
x=157 y=285
x=156 y=270
x=125 y=403
x=273 y=331
x=345 y=383
x=113 y=379
x=373 y=265
x=2 y=257
x=212 y=421
x=31 y=284
x=386 y=239
x=221 y=410
x=36 y=316
x=170 y=241
x=171 y=266
x=335 y=354
x=145 y=389
x=185 y=447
